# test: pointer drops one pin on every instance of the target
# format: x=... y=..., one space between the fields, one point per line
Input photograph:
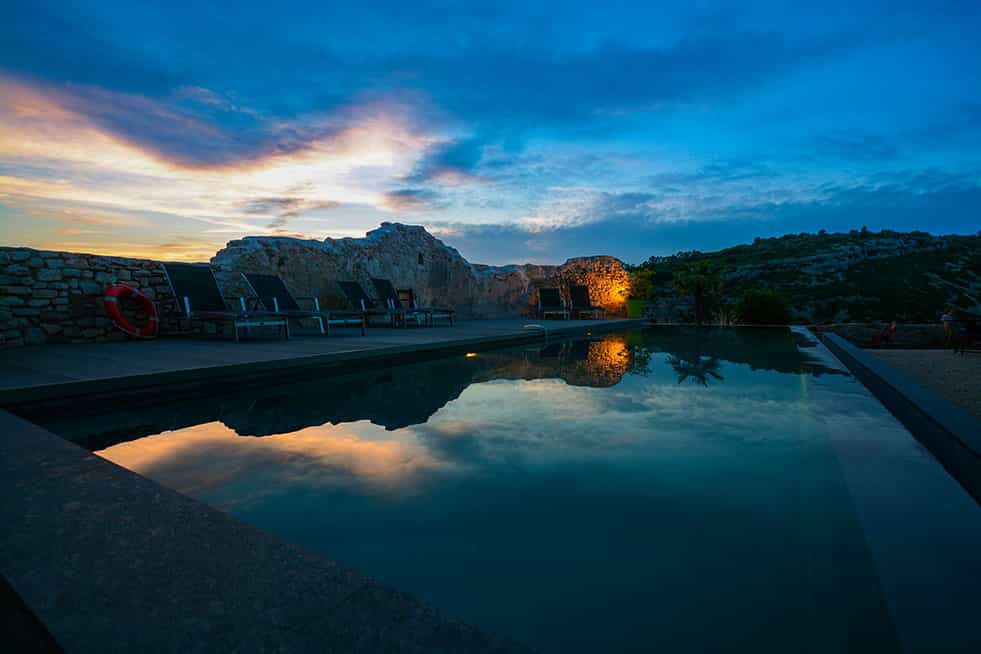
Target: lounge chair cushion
x=550 y=298
x=267 y=287
x=580 y=297
x=197 y=283
x=387 y=292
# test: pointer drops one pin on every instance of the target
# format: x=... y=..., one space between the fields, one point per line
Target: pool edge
x=120 y=386
x=951 y=434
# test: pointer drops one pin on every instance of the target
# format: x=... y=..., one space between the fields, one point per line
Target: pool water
x=659 y=490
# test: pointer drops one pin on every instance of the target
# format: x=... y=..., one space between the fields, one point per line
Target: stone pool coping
x=951 y=434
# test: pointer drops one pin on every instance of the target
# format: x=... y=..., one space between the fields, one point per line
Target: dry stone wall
x=55 y=297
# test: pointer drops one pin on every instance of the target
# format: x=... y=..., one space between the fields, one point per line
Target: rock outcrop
x=413 y=258
x=56 y=297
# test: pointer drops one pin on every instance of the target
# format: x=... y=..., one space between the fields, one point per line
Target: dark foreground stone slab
x=110 y=561
x=22 y=631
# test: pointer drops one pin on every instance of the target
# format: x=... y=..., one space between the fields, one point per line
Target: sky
x=515 y=132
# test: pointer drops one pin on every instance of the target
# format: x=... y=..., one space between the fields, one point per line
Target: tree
x=702 y=281
x=763 y=307
x=697 y=369
x=641 y=284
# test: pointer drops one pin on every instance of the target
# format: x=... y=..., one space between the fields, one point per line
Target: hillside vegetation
x=856 y=276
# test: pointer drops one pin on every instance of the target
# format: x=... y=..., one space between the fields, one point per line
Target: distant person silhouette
x=947 y=319
x=885 y=336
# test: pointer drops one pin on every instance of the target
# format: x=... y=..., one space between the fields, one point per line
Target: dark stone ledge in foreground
x=112 y=562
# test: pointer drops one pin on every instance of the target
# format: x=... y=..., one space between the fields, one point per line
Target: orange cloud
x=355 y=454
x=54 y=150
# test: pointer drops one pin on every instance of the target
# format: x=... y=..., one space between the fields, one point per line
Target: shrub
x=641 y=284
x=763 y=307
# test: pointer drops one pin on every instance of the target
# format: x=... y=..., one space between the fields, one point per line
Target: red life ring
x=111 y=300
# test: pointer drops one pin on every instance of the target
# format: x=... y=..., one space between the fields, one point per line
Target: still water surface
x=661 y=490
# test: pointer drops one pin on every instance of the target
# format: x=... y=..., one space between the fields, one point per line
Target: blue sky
x=515 y=132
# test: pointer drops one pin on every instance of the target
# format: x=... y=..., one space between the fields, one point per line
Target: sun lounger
x=581 y=304
x=197 y=296
x=390 y=297
x=276 y=297
x=360 y=301
x=438 y=313
x=550 y=303
x=388 y=294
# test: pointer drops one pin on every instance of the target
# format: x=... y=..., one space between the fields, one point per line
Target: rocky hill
x=855 y=276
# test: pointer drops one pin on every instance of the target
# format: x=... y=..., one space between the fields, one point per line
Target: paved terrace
x=54 y=372
x=108 y=561
x=956 y=377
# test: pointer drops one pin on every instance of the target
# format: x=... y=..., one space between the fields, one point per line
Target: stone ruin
x=413 y=258
x=56 y=297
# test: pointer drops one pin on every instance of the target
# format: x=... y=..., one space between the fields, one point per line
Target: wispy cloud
x=449 y=162
x=411 y=199
x=284 y=208
x=637 y=225
x=52 y=151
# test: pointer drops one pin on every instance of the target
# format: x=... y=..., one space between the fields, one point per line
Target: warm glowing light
x=471 y=354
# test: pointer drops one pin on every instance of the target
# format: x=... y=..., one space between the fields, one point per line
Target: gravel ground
x=956 y=377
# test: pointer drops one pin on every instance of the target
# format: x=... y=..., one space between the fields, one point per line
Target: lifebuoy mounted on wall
x=111 y=299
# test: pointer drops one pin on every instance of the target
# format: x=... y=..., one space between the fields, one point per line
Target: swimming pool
x=656 y=490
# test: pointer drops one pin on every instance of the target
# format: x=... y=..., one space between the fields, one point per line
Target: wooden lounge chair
x=360 y=301
x=198 y=297
x=581 y=304
x=276 y=297
x=550 y=303
x=388 y=294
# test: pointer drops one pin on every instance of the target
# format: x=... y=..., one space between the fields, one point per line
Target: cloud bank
x=517 y=132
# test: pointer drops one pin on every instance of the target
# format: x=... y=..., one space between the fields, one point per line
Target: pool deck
x=60 y=372
x=956 y=377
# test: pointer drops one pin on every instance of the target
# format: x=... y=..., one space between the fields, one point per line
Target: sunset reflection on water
x=521 y=488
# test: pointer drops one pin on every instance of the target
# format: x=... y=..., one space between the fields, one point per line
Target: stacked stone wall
x=56 y=297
